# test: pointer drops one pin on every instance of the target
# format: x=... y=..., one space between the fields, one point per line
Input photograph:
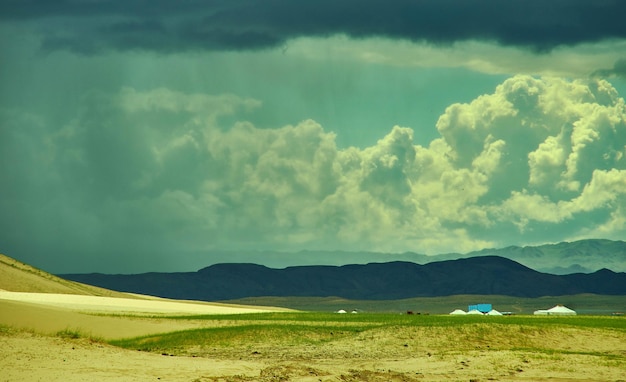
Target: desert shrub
x=75 y=334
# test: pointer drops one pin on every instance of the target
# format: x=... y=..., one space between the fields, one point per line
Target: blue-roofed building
x=483 y=308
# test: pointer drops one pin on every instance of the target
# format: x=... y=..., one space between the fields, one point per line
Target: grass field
x=321 y=346
x=406 y=347
x=582 y=303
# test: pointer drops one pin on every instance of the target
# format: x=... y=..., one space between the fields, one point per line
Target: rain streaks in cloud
x=164 y=132
x=158 y=166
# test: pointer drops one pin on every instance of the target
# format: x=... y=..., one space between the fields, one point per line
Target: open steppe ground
x=294 y=346
x=55 y=330
x=588 y=304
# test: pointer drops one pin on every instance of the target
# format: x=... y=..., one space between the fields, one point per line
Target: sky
x=142 y=136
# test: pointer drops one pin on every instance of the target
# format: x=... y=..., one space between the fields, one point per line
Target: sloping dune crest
x=16 y=276
x=33 y=299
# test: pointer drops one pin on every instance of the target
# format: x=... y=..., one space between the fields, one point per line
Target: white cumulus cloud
x=160 y=169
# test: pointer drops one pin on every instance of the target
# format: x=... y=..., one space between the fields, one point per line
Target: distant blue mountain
x=480 y=275
x=584 y=256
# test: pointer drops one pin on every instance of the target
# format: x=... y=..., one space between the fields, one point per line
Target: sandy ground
x=49 y=313
x=125 y=305
x=32 y=350
x=30 y=357
x=40 y=305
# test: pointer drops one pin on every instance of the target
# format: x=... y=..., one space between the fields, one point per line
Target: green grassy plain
x=332 y=347
x=318 y=328
x=502 y=346
x=582 y=303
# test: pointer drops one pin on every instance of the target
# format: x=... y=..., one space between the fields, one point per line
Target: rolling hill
x=486 y=275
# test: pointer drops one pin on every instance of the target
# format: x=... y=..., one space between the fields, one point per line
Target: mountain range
x=584 y=256
x=481 y=275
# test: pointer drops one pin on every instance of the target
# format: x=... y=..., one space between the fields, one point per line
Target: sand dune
x=35 y=305
x=50 y=320
x=36 y=300
x=118 y=305
x=105 y=317
x=19 y=277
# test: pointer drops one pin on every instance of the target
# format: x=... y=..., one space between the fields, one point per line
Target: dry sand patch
x=50 y=320
x=389 y=355
x=103 y=304
x=50 y=313
x=27 y=357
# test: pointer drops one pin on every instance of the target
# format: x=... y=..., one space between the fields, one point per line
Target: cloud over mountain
x=163 y=26
x=160 y=170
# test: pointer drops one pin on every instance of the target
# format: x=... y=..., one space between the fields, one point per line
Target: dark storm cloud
x=165 y=26
x=618 y=70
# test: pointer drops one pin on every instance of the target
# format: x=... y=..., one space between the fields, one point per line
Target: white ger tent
x=558 y=310
x=474 y=311
x=458 y=312
x=493 y=312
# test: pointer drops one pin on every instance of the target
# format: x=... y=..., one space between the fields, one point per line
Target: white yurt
x=475 y=311
x=458 y=312
x=558 y=310
x=561 y=310
x=493 y=312
x=341 y=311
